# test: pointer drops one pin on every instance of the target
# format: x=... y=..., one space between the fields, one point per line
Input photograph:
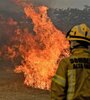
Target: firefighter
x=72 y=78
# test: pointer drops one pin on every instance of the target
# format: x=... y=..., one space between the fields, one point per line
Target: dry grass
x=12 y=88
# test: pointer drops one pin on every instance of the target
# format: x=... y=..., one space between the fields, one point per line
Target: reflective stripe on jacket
x=72 y=79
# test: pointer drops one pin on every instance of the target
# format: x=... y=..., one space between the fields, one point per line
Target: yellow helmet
x=79 y=32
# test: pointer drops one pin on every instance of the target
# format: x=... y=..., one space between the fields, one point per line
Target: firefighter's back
x=79 y=75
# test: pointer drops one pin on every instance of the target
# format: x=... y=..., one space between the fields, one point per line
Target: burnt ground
x=12 y=87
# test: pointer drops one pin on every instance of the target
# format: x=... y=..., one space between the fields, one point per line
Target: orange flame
x=42 y=51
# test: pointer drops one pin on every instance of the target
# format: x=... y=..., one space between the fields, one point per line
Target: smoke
x=60 y=3
x=41 y=2
x=47 y=3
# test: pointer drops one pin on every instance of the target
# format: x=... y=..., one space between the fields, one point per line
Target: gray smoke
x=61 y=3
x=9 y=5
x=40 y=2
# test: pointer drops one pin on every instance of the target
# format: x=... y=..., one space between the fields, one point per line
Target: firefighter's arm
x=58 y=85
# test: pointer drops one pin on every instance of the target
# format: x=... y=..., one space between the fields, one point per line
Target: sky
x=9 y=5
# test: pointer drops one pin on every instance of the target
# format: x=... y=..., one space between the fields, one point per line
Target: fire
x=10 y=21
x=41 y=51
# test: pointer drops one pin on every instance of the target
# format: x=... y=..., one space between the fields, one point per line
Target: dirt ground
x=12 y=87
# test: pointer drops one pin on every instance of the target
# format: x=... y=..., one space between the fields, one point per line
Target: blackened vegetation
x=80 y=63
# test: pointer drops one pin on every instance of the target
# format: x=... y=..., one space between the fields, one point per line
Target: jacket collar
x=80 y=50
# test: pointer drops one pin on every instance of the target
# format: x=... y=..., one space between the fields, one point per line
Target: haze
x=10 y=5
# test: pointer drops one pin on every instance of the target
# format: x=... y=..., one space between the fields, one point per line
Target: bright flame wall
x=41 y=52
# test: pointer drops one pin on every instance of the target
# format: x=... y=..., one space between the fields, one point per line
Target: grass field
x=12 y=87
